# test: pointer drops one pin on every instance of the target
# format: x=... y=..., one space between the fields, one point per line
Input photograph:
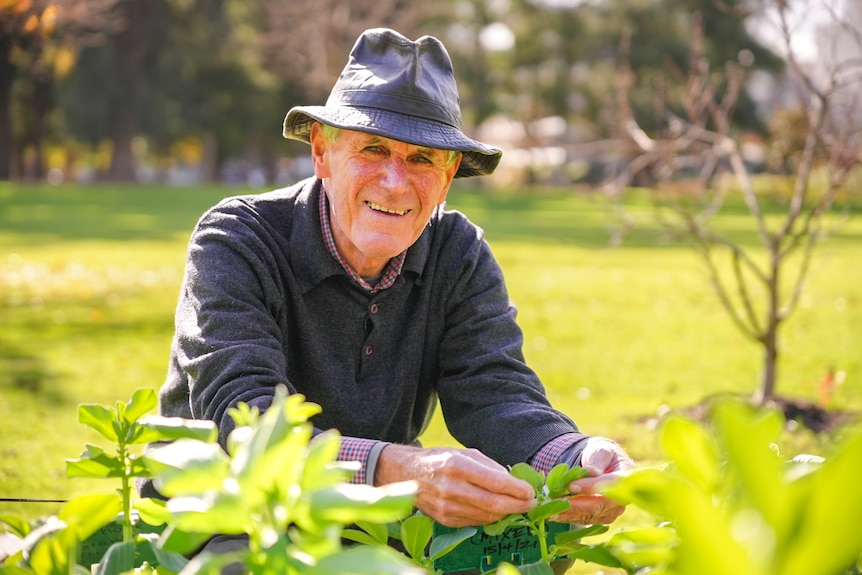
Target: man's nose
x=395 y=173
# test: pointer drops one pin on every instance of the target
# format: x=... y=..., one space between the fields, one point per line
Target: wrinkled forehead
x=356 y=137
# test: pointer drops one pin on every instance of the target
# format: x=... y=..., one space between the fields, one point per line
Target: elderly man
x=357 y=289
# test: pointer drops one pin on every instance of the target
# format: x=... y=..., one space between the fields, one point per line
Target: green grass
x=89 y=277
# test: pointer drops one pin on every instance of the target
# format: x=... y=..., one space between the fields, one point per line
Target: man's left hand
x=606 y=461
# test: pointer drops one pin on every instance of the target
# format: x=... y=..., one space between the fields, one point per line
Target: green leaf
x=506 y=569
x=379 y=531
x=95 y=462
x=577 y=534
x=187 y=466
x=6 y=569
x=243 y=415
x=359 y=536
x=575 y=472
x=557 y=550
x=143 y=400
x=119 y=558
x=829 y=517
x=549 y=509
x=536 y=569
x=170 y=560
x=657 y=535
x=318 y=471
x=100 y=418
x=296 y=409
x=274 y=453
x=154 y=428
x=182 y=542
x=213 y=563
x=651 y=489
x=496 y=528
x=559 y=478
x=152 y=511
x=52 y=547
x=596 y=554
x=528 y=474
x=17 y=525
x=51 y=554
x=86 y=514
x=211 y=513
x=416 y=532
x=365 y=560
x=692 y=449
x=747 y=434
x=348 y=503
x=642 y=547
x=446 y=542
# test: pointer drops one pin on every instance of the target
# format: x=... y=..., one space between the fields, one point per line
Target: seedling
x=552 y=492
x=415 y=534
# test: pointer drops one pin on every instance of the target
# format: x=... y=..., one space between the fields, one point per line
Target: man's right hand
x=457 y=487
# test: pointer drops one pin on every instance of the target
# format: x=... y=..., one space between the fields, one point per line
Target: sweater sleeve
x=490 y=398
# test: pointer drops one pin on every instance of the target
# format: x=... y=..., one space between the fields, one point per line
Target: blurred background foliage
x=126 y=90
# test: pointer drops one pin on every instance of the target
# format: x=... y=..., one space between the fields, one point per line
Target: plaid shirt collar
x=390 y=272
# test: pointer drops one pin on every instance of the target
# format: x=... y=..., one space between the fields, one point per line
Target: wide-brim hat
x=400 y=89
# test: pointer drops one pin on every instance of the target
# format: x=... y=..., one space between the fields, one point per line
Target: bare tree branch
x=832 y=144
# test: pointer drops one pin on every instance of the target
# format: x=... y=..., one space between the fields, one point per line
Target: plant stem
x=542 y=535
x=125 y=492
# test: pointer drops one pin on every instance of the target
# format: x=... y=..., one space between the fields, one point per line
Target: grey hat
x=400 y=89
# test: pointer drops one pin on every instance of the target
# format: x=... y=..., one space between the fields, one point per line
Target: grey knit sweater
x=264 y=303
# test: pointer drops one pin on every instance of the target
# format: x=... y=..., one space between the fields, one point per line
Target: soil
x=797 y=412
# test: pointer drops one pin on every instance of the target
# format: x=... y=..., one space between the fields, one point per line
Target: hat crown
x=388 y=71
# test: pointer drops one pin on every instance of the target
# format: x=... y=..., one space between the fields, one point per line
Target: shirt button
x=369 y=349
x=374 y=308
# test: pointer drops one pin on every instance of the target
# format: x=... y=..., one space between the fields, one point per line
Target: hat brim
x=477 y=159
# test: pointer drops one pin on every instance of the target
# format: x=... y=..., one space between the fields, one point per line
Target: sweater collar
x=311 y=258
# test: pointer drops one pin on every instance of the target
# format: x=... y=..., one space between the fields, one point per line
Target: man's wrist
x=371 y=462
x=366 y=452
x=393 y=461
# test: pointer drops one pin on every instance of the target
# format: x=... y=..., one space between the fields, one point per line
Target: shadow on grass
x=41 y=214
x=24 y=371
x=589 y=219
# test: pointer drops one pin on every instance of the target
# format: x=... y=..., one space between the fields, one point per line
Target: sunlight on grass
x=89 y=278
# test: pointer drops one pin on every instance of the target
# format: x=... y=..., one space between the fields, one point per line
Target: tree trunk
x=134 y=47
x=770 y=336
x=7 y=77
x=43 y=102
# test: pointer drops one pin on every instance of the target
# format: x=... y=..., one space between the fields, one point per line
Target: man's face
x=382 y=193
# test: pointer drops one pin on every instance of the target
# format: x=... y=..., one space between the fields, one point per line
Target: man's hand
x=605 y=460
x=457 y=487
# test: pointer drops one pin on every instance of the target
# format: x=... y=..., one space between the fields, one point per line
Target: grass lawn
x=89 y=277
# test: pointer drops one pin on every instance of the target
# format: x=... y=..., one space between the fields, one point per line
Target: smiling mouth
x=385 y=210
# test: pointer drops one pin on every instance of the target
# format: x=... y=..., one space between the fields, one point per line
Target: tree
x=35 y=39
x=758 y=293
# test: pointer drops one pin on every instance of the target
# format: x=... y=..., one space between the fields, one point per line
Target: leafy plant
x=416 y=534
x=282 y=489
x=552 y=493
x=52 y=546
x=277 y=485
x=126 y=425
x=730 y=503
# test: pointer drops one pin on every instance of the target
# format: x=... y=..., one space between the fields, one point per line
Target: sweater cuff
x=366 y=452
x=566 y=448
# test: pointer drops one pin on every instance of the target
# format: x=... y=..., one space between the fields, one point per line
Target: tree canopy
x=141 y=77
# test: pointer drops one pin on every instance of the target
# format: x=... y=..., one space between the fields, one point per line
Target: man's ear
x=450 y=175
x=318 y=152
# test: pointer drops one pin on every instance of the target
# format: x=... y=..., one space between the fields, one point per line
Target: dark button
x=369 y=349
x=374 y=308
